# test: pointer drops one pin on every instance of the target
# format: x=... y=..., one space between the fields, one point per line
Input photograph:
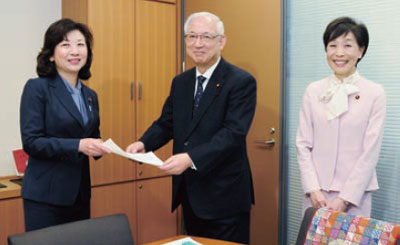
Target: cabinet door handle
x=140 y=187
x=270 y=142
x=132 y=90
x=140 y=90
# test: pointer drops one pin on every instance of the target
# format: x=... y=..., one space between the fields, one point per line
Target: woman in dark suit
x=59 y=120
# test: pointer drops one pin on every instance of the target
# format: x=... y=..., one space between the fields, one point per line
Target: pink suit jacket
x=341 y=154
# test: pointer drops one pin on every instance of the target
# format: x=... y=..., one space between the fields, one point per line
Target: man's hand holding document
x=148 y=157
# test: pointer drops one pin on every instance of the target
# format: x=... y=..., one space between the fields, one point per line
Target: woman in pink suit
x=340 y=126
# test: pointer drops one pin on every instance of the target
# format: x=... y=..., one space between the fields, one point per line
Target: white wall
x=22 y=27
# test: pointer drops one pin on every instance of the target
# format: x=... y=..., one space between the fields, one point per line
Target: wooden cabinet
x=156 y=47
x=112 y=23
x=11 y=210
x=116 y=198
x=147 y=203
x=11 y=218
x=154 y=215
x=135 y=56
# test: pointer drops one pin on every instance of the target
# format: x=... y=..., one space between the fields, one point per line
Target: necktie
x=199 y=92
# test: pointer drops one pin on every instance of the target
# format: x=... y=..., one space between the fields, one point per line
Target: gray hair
x=220 y=25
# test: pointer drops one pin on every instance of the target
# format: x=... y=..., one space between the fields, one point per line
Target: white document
x=148 y=157
x=183 y=241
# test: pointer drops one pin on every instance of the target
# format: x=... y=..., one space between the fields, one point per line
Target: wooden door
x=112 y=26
x=114 y=199
x=154 y=217
x=253 y=43
x=112 y=23
x=156 y=66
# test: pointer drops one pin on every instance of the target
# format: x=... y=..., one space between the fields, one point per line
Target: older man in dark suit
x=208 y=114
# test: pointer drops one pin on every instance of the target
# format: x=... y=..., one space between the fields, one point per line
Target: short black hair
x=344 y=25
x=55 y=34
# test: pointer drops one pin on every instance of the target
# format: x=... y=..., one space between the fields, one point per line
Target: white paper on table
x=183 y=241
x=148 y=157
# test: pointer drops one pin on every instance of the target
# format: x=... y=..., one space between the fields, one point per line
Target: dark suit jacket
x=215 y=139
x=51 y=127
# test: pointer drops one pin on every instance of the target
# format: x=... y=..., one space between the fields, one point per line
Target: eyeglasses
x=205 y=37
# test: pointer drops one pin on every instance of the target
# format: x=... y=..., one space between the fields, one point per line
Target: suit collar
x=89 y=100
x=189 y=80
x=64 y=96
x=212 y=90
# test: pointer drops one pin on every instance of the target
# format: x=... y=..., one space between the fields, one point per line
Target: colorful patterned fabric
x=334 y=227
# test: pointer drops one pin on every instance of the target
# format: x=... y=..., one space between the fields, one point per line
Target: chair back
x=113 y=229
x=323 y=226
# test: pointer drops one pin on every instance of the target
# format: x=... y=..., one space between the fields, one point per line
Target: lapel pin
x=90 y=103
x=357 y=97
x=218 y=85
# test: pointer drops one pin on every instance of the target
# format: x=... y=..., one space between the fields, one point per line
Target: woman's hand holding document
x=148 y=157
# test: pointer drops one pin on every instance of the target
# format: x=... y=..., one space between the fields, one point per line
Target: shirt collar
x=69 y=87
x=209 y=71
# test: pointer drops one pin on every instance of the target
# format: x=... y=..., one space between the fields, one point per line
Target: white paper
x=148 y=157
x=183 y=241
